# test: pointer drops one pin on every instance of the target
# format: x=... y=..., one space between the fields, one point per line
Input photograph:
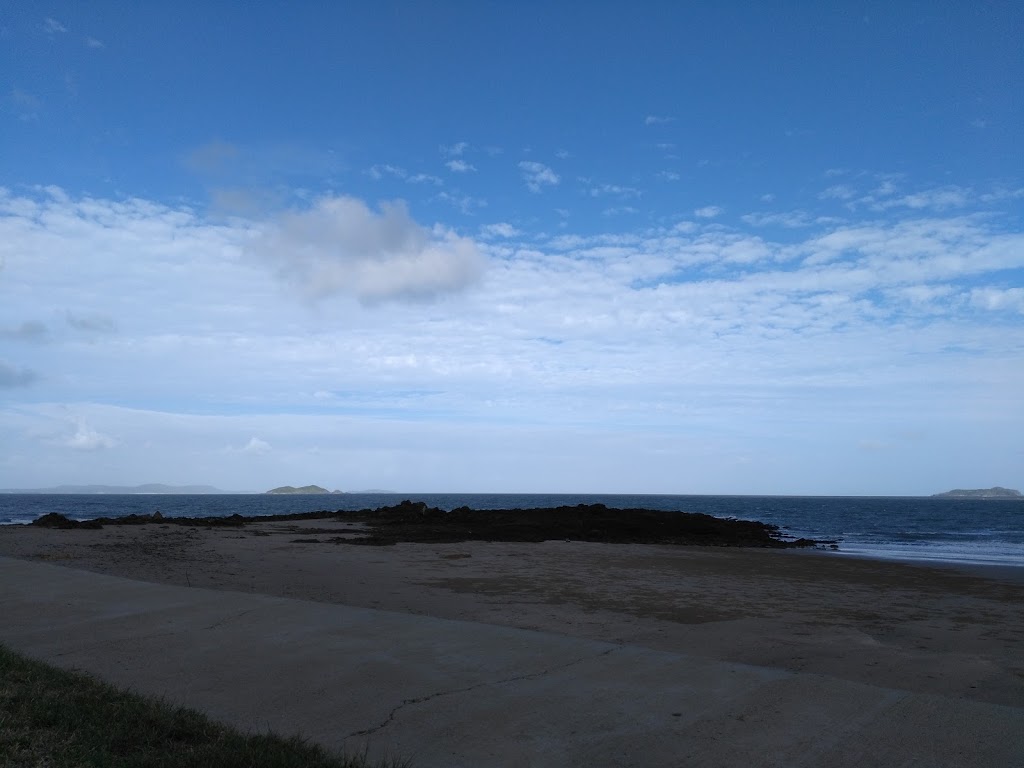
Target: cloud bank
x=684 y=349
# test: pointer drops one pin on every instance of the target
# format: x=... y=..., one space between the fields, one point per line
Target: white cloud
x=85 y=438
x=886 y=188
x=1002 y=193
x=92 y=42
x=708 y=212
x=939 y=199
x=256 y=447
x=668 y=175
x=455 y=150
x=501 y=229
x=996 y=299
x=378 y=172
x=537 y=175
x=466 y=204
x=51 y=26
x=425 y=178
x=658 y=120
x=340 y=246
x=838 y=192
x=459 y=166
x=788 y=219
x=920 y=295
x=614 y=190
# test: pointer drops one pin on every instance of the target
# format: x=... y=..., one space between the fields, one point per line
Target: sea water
x=982 y=531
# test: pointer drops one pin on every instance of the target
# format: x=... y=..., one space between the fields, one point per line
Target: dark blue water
x=945 y=530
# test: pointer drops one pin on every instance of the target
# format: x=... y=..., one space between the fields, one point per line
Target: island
x=304 y=489
x=980 y=493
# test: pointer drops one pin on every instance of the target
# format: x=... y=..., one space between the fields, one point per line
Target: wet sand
x=952 y=632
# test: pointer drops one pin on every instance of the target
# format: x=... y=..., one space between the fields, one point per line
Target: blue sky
x=667 y=248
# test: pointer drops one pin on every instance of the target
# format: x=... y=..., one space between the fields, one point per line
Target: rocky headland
x=416 y=522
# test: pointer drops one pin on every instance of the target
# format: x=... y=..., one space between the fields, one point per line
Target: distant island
x=303 y=489
x=121 y=489
x=979 y=493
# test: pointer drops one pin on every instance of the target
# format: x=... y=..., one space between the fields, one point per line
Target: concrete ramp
x=449 y=693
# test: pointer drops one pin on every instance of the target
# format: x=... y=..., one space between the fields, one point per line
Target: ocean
x=969 y=531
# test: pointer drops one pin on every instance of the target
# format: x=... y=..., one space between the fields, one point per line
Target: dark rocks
x=416 y=522
x=55 y=520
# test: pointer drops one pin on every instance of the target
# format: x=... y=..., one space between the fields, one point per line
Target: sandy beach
x=936 y=630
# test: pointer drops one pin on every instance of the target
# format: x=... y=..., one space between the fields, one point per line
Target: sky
x=659 y=247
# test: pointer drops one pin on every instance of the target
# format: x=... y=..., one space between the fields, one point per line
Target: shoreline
x=982 y=567
x=987 y=570
x=979 y=533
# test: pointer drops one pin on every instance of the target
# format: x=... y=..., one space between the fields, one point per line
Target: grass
x=59 y=719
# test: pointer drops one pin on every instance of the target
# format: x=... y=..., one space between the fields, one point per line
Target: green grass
x=59 y=719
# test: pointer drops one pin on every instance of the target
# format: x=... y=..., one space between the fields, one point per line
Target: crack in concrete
x=419 y=700
x=230 y=618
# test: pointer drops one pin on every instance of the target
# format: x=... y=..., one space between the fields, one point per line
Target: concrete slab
x=450 y=693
